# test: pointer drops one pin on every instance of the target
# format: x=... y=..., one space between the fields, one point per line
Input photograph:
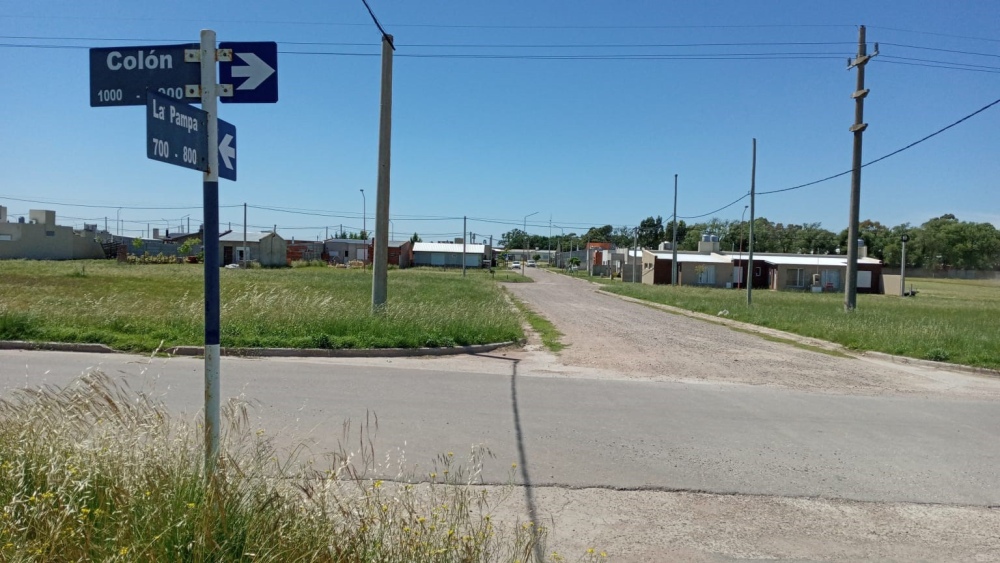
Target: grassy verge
x=136 y=307
x=949 y=320
x=545 y=329
x=95 y=472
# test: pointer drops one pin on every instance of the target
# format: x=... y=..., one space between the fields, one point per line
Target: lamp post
x=364 y=212
x=525 y=229
x=740 y=280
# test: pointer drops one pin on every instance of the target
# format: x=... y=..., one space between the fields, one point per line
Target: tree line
x=943 y=242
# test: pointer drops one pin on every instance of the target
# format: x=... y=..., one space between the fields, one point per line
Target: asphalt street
x=577 y=433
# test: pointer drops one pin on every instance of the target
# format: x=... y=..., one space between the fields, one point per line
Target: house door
x=227 y=255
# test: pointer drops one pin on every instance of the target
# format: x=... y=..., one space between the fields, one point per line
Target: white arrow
x=256 y=71
x=226 y=151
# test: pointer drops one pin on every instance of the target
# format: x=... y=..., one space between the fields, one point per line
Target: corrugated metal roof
x=238 y=236
x=448 y=247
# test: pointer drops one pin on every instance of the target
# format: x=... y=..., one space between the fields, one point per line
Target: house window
x=50 y=233
x=796 y=277
x=706 y=274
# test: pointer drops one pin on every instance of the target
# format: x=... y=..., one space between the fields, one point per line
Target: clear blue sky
x=486 y=123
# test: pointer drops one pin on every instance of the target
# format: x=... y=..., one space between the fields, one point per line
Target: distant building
x=40 y=238
x=711 y=267
x=266 y=248
x=449 y=254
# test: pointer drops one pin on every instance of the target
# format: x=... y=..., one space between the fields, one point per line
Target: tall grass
x=97 y=472
x=948 y=320
x=138 y=307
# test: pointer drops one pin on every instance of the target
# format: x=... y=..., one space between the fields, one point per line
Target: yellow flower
x=603 y=554
x=123 y=551
x=190 y=505
x=451 y=454
x=513 y=466
x=590 y=550
x=378 y=484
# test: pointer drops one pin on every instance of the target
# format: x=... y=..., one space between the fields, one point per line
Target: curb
x=267 y=352
x=824 y=344
x=57 y=346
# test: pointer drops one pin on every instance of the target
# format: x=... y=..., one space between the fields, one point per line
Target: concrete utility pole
x=380 y=270
x=465 y=232
x=753 y=184
x=673 y=244
x=636 y=238
x=851 y=290
x=527 y=240
x=902 y=266
x=246 y=251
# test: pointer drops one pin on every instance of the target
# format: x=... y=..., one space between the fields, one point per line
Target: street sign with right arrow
x=252 y=72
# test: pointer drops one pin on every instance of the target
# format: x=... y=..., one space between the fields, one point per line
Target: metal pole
x=209 y=103
x=851 y=291
x=902 y=268
x=246 y=251
x=380 y=270
x=673 y=244
x=364 y=212
x=753 y=187
x=465 y=232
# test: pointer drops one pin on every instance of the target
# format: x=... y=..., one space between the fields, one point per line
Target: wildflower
x=260 y=431
x=451 y=454
x=434 y=475
x=190 y=505
x=603 y=554
x=123 y=551
x=513 y=466
x=590 y=551
x=378 y=484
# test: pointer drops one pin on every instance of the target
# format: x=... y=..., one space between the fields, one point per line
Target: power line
x=887 y=60
x=385 y=35
x=935 y=33
x=940 y=50
x=970 y=66
x=893 y=153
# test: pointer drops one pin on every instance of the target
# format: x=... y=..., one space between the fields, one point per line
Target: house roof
x=238 y=236
x=448 y=247
x=772 y=258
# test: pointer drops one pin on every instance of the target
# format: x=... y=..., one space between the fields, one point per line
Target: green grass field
x=954 y=321
x=136 y=307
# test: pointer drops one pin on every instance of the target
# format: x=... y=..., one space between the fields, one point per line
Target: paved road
x=599 y=433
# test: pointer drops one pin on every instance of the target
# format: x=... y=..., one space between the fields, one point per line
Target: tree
x=651 y=232
x=137 y=242
x=574 y=261
x=188 y=245
x=415 y=238
x=599 y=234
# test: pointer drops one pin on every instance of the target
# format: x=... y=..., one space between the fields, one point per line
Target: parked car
x=515 y=265
x=531 y=263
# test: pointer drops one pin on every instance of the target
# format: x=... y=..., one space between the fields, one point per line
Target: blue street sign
x=253 y=72
x=120 y=76
x=227 y=150
x=176 y=133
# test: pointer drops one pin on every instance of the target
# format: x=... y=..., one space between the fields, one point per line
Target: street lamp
x=364 y=211
x=525 y=245
x=740 y=280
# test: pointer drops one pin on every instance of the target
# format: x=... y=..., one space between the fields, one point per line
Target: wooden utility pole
x=851 y=289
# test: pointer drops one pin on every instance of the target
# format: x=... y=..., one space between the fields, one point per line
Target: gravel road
x=613 y=337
